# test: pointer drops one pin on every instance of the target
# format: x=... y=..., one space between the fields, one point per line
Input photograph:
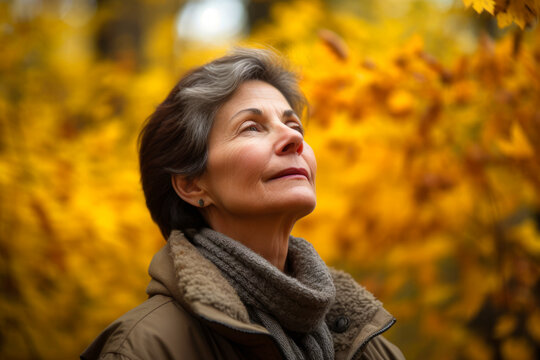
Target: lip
x=291 y=172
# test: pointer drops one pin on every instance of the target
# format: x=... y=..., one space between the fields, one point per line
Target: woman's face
x=258 y=161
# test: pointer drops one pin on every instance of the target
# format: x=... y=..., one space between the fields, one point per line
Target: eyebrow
x=255 y=111
x=289 y=113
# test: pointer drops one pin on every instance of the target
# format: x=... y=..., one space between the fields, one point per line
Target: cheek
x=237 y=167
x=309 y=157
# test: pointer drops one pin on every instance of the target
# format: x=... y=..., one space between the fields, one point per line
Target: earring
x=201 y=202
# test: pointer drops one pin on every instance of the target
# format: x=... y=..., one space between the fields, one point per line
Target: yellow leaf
x=522 y=12
x=477 y=349
x=505 y=326
x=518 y=146
x=527 y=235
x=481 y=5
x=517 y=349
x=400 y=103
x=533 y=325
x=504 y=19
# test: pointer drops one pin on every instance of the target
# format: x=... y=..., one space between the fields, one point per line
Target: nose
x=290 y=142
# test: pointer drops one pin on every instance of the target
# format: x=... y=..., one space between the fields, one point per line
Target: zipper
x=370 y=337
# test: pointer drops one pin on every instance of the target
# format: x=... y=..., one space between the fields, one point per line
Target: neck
x=267 y=236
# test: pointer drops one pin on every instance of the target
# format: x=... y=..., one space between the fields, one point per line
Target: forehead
x=254 y=94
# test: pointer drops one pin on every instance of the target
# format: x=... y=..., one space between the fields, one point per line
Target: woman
x=226 y=174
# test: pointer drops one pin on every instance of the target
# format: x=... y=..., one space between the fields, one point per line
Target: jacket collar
x=178 y=270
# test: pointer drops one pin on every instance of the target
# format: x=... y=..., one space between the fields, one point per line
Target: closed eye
x=296 y=126
x=251 y=127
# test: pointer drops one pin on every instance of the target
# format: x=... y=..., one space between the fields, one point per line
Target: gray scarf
x=291 y=307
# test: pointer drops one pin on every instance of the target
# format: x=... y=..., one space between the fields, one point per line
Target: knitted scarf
x=291 y=307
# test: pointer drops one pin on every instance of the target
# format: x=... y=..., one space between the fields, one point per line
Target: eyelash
x=256 y=127
x=250 y=127
x=296 y=126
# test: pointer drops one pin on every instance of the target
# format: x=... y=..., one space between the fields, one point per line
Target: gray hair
x=174 y=139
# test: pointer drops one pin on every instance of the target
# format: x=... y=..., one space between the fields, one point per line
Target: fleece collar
x=180 y=271
x=299 y=302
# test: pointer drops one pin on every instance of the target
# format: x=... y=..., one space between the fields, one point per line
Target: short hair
x=174 y=138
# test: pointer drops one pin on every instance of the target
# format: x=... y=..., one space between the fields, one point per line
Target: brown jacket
x=194 y=313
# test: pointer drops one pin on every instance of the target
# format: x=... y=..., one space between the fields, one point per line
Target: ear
x=189 y=190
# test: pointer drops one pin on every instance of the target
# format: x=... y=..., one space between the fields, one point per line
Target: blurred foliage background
x=425 y=118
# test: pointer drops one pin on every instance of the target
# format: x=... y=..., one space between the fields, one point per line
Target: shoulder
x=159 y=328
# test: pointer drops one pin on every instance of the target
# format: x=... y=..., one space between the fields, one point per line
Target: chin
x=301 y=205
x=306 y=211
